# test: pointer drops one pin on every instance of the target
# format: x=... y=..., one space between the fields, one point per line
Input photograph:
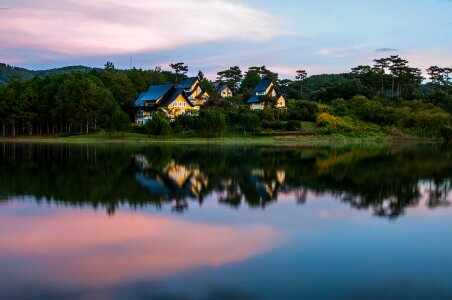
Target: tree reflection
x=385 y=179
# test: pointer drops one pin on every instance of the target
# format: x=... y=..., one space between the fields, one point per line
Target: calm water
x=212 y=222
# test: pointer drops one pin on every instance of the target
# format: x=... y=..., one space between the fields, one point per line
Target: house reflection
x=177 y=182
x=174 y=182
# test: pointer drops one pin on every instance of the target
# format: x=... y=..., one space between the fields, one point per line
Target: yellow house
x=162 y=97
x=223 y=90
x=266 y=87
x=194 y=90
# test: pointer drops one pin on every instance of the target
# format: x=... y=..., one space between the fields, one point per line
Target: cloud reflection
x=93 y=250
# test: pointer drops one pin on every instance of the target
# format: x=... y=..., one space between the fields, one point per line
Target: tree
x=301 y=76
x=211 y=123
x=381 y=65
x=118 y=122
x=201 y=76
x=179 y=68
x=251 y=79
x=232 y=76
x=109 y=66
x=397 y=67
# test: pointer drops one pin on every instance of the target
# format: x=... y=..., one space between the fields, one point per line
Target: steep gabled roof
x=187 y=83
x=177 y=92
x=263 y=85
x=153 y=94
x=221 y=86
x=217 y=84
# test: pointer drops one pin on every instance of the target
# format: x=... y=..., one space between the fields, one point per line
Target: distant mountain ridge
x=7 y=72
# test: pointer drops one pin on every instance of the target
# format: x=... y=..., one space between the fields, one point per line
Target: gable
x=179 y=95
x=189 y=83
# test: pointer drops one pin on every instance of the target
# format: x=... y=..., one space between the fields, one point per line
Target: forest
x=387 y=97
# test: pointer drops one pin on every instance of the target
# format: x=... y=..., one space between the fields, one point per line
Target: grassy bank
x=292 y=139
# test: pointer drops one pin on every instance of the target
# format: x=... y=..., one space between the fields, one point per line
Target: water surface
x=224 y=222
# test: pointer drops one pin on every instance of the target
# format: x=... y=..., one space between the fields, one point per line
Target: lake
x=225 y=222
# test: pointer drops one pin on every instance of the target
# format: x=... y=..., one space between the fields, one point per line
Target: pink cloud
x=116 y=27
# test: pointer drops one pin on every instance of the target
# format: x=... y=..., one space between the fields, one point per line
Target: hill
x=7 y=72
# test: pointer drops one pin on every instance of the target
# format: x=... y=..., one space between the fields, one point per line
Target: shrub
x=372 y=111
x=293 y=125
x=327 y=123
x=158 y=125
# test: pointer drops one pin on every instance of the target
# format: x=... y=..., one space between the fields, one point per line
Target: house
x=265 y=87
x=223 y=89
x=162 y=97
x=194 y=90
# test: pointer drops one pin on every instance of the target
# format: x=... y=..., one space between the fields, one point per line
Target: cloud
x=108 y=27
x=385 y=50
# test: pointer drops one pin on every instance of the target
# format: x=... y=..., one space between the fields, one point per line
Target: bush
x=372 y=111
x=158 y=125
x=293 y=125
x=327 y=123
x=184 y=122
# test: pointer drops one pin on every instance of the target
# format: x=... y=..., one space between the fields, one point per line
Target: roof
x=174 y=96
x=154 y=93
x=187 y=83
x=221 y=88
x=262 y=85
x=254 y=99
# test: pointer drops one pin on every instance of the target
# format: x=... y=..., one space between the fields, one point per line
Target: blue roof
x=254 y=99
x=154 y=93
x=263 y=85
x=187 y=83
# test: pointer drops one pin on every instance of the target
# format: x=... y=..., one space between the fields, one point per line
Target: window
x=175 y=104
x=280 y=103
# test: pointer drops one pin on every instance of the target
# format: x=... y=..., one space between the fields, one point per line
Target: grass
x=285 y=138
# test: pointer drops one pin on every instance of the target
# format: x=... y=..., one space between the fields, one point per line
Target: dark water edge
x=115 y=221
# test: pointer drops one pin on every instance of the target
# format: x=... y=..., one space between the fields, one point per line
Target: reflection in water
x=384 y=179
x=295 y=227
x=81 y=248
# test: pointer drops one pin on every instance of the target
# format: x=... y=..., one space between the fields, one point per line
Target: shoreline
x=289 y=140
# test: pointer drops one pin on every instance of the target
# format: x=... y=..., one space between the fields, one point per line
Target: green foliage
x=371 y=111
x=340 y=107
x=119 y=122
x=184 y=122
x=158 y=125
x=211 y=123
x=302 y=110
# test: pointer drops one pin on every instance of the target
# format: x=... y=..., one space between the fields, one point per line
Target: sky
x=319 y=36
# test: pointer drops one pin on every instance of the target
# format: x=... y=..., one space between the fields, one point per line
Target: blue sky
x=319 y=36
